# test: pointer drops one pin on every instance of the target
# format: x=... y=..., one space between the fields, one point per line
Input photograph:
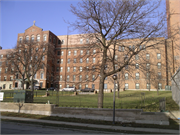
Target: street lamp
x=115 y=78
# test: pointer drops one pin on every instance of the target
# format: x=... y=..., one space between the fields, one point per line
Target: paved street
x=21 y=128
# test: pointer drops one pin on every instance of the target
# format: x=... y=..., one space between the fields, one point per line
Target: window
x=5 y=78
x=58 y=61
x=94 y=60
x=1 y=56
x=144 y=47
x=158 y=56
x=87 y=77
x=61 y=69
x=62 y=41
x=94 y=51
x=59 y=41
x=27 y=38
x=10 y=86
x=87 y=41
x=62 y=53
x=58 y=53
x=38 y=38
x=159 y=75
x=68 y=69
x=126 y=57
x=74 y=69
x=81 y=41
x=81 y=60
x=159 y=86
x=61 y=61
x=93 y=68
x=93 y=77
x=74 y=77
x=87 y=52
x=74 y=60
x=80 y=69
x=81 y=52
x=87 y=69
x=137 y=76
x=44 y=38
x=4 y=86
x=140 y=47
x=105 y=86
x=126 y=67
x=130 y=47
x=67 y=77
x=44 y=49
x=60 y=77
x=50 y=38
x=147 y=56
x=126 y=86
x=37 y=49
x=54 y=40
x=159 y=65
x=32 y=38
x=80 y=86
x=43 y=57
x=75 y=52
x=148 y=75
x=148 y=86
x=87 y=60
x=69 y=52
x=137 y=66
x=42 y=75
x=57 y=69
x=0 y=70
x=0 y=64
x=11 y=78
x=86 y=86
x=67 y=86
x=68 y=60
x=133 y=47
x=147 y=66
x=20 y=40
x=126 y=76
x=105 y=67
x=6 y=70
x=116 y=57
x=80 y=78
x=60 y=86
x=137 y=85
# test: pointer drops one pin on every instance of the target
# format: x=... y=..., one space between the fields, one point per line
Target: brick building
x=76 y=64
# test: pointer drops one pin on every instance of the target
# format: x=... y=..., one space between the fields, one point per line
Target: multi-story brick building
x=76 y=64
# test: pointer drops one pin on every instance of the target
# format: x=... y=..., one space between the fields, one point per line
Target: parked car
x=36 y=87
x=51 y=88
x=69 y=89
x=88 y=90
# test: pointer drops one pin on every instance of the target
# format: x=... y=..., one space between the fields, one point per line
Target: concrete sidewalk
x=150 y=130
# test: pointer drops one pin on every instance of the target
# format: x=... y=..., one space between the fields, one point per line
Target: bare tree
x=29 y=57
x=108 y=23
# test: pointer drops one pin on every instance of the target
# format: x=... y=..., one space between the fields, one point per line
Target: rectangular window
x=5 y=78
x=94 y=60
x=42 y=75
x=81 y=41
x=74 y=69
x=11 y=78
x=10 y=86
x=137 y=66
x=61 y=69
x=80 y=86
x=74 y=60
x=86 y=85
x=87 y=60
x=60 y=77
x=61 y=61
x=80 y=69
x=62 y=53
x=148 y=75
x=44 y=38
x=159 y=75
x=67 y=77
x=126 y=76
x=57 y=69
x=81 y=60
x=147 y=56
x=58 y=53
x=87 y=41
x=87 y=52
x=68 y=61
x=148 y=86
x=147 y=66
x=158 y=56
x=159 y=86
x=81 y=52
x=75 y=52
x=137 y=85
x=74 y=77
x=58 y=61
x=68 y=69
x=105 y=86
x=159 y=65
x=93 y=77
x=137 y=76
x=80 y=78
x=60 y=86
x=126 y=86
x=87 y=77
x=69 y=52
x=116 y=57
x=62 y=41
x=94 y=51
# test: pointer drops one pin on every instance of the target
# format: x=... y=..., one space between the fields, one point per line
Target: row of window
x=4 y=86
x=137 y=75
x=137 y=86
x=75 y=52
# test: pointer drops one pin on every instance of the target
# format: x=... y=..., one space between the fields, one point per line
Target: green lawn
x=127 y=99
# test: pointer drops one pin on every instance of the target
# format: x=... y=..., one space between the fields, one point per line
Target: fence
x=90 y=100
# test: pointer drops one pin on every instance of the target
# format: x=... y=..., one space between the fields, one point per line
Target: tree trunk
x=118 y=90
x=101 y=92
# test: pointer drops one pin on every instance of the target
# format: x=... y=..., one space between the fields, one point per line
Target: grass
x=173 y=124
x=127 y=99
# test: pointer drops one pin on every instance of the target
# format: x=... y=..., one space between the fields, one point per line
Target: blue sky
x=18 y=15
